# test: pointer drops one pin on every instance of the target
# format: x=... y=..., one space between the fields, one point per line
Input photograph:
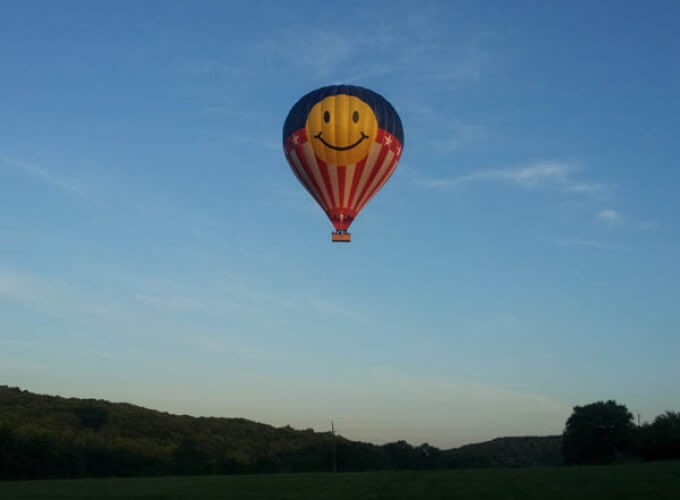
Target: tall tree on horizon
x=596 y=432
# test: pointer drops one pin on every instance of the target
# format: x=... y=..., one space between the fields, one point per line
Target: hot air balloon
x=343 y=142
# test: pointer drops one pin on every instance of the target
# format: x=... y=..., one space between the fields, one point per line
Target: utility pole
x=335 y=462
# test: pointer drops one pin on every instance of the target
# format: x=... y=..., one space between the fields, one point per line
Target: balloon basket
x=341 y=237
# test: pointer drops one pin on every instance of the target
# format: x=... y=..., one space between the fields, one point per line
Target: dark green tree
x=92 y=417
x=661 y=438
x=403 y=455
x=596 y=433
x=190 y=459
x=8 y=447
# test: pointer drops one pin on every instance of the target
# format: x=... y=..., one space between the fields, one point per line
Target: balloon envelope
x=343 y=142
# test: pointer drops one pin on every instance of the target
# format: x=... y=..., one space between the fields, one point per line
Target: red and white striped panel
x=347 y=187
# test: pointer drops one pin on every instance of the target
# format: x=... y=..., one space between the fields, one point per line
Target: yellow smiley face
x=341 y=129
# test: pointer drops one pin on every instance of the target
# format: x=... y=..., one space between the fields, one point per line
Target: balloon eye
x=326 y=116
x=355 y=116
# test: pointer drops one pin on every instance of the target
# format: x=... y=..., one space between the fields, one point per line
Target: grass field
x=638 y=482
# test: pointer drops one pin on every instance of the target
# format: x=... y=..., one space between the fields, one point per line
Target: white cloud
x=646 y=225
x=609 y=215
x=252 y=295
x=47 y=295
x=420 y=48
x=582 y=187
x=321 y=51
x=545 y=174
x=21 y=288
x=44 y=175
x=460 y=135
x=169 y=302
x=327 y=307
x=238 y=111
x=579 y=243
x=535 y=175
x=212 y=296
x=21 y=365
x=221 y=343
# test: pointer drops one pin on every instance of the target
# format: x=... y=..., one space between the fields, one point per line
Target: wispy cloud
x=201 y=68
x=47 y=295
x=173 y=303
x=610 y=215
x=646 y=225
x=320 y=51
x=419 y=46
x=43 y=175
x=432 y=62
x=576 y=242
x=332 y=308
x=22 y=288
x=229 y=345
x=545 y=174
x=460 y=135
x=22 y=365
x=529 y=176
x=232 y=295
x=581 y=187
x=615 y=219
x=248 y=294
x=238 y=111
x=269 y=142
x=206 y=296
x=582 y=243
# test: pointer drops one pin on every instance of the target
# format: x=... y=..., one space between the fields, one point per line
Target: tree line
x=47 y=437
x=605 y=432
x=47 y=456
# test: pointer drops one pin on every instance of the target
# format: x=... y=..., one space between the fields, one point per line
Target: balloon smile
x=341 y=148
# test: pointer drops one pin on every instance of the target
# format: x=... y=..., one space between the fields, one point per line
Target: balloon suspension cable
x=341 y=235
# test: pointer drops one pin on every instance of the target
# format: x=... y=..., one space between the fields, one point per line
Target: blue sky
x=156 y=248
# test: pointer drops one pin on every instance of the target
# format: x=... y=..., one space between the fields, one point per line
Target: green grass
x=635 y=482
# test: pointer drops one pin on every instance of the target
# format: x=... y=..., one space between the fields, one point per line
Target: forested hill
x=511 y=452
x=99 y=424
x=51 y=436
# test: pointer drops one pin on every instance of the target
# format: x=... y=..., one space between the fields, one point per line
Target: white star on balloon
x=388 y=140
